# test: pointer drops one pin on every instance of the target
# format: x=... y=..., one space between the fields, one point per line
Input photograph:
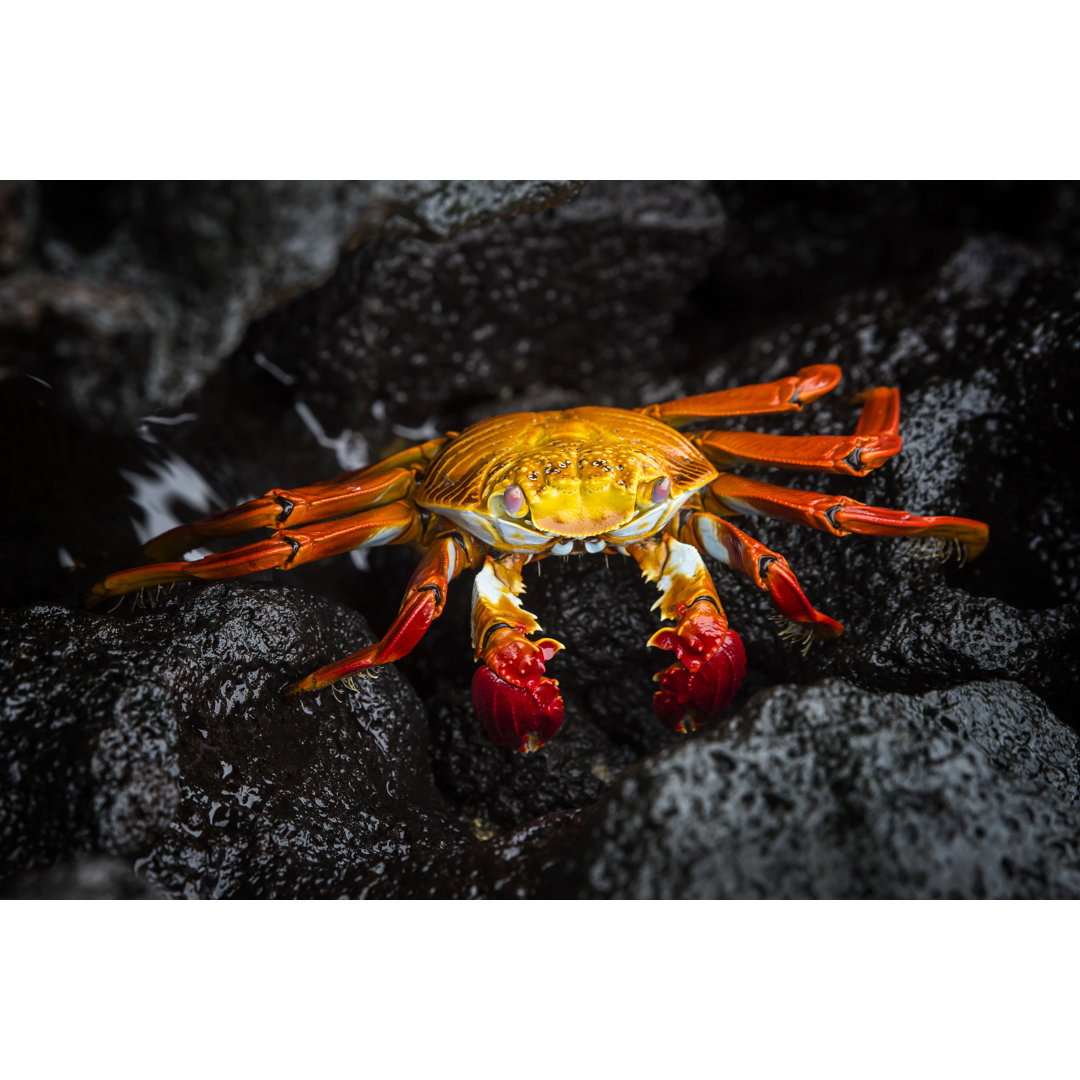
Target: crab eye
x=653 y=492
x=514 y=500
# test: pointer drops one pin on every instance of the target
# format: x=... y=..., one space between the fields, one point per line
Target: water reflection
x=350 y=448
x=146 y=432
x=172 y=482
x=273 y=370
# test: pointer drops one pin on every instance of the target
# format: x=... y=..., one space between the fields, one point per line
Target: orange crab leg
x=396 y=523
x=876 y=439
x=348 y=493
x=518 y=704
x=839 y=515
x=784 y=395
x=422 y=605
x=709 y=657
x=767 y=569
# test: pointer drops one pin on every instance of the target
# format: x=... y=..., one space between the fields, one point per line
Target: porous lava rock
x=127 y=296
x=821 y=791
x=831 y=791
x=163 y=736
x=91 y=877
x=581 y=299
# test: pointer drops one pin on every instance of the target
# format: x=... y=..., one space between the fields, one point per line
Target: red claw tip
x=517 y=660
x=513 y=716
x=695 y=640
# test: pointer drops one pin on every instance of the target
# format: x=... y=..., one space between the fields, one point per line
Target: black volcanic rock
x=127 y=296
x=162 y=735
x=830 y=791
x=580 y=299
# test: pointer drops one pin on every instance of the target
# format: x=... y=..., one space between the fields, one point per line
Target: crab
x=515 y=489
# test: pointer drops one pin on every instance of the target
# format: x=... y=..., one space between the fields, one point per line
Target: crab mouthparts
x=580 y=523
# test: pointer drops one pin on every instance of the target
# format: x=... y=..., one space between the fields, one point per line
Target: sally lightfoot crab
x=519 y=488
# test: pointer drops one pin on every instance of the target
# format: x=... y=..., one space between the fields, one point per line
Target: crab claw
x=513 y=716
x=710 y=664
x=519 y=706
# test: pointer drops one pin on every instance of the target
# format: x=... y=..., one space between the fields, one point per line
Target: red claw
x=519 y=706
x=513 y=716
x=709 y=669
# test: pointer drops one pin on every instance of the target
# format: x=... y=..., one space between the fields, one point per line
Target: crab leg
x=348 y=493
x=767 y=569
x=784 y=395
x=839 y=515
x=394 y=524
x=710 y=661
x=520 y=707
x=422 y=605
x=875 y=440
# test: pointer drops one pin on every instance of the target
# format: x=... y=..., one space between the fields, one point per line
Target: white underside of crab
x=516 y=536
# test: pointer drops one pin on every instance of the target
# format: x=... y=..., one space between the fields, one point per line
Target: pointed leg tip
x=304 y=686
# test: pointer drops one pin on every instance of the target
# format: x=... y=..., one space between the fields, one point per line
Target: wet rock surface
x=128 y=295
x=829 y=791
x=937 y=759
x=168 y=740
